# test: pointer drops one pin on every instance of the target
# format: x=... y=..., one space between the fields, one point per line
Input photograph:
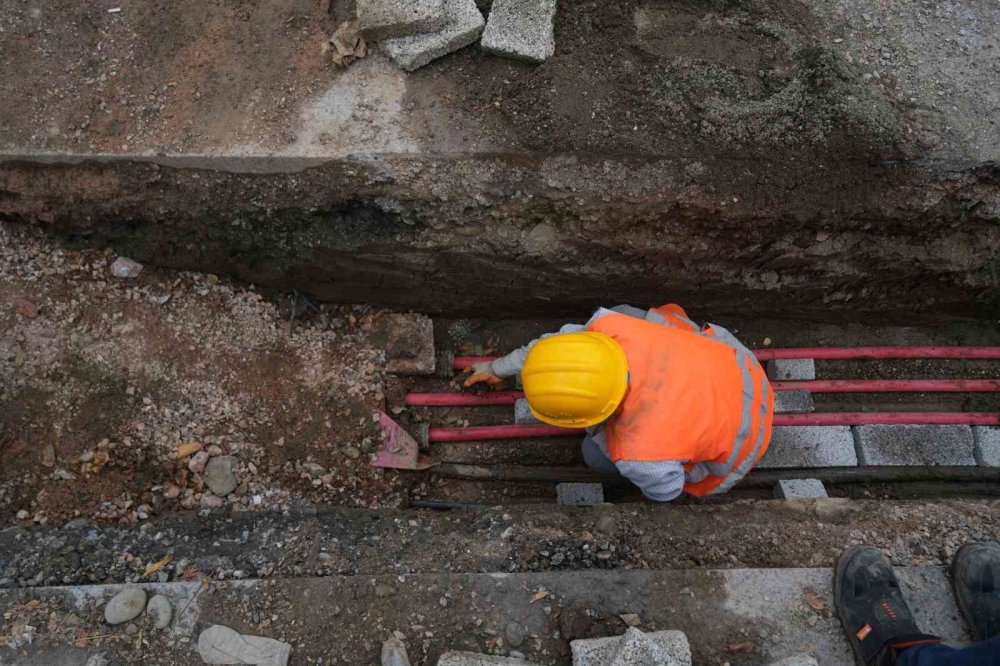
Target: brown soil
x=131 y=369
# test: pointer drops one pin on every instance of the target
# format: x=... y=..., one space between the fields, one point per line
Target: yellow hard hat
x=575 y=380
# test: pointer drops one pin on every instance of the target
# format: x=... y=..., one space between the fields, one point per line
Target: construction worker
x=667 y=405
x=881 y=627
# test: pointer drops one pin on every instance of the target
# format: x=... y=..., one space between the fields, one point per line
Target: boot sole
x=962 y=607
x=838 y=575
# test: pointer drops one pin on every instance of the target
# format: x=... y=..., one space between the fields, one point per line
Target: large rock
x=125 y=606
x=220 y=475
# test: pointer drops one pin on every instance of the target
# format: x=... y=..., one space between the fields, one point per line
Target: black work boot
x=975 y=573
x=872 y=609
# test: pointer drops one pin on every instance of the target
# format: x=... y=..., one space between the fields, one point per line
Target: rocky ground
x=121 y=398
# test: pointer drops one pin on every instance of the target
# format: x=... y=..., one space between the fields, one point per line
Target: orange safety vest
x=694 y=395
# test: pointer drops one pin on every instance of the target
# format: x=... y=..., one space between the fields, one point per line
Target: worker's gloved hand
x=481 y=372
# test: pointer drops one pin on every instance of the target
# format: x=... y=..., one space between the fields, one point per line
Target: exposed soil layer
x=508 y=235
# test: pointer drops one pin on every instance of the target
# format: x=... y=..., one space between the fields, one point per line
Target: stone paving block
x=810 y=446
x=382 y=19
x=914 y=445
x=580 y=494
x=658 y=648
x=408 y=340
x=456 y=658
x=788 y=489
x=463 y=27
x=791 y=369
x=793 y=402
x=796 y=660
x=987 y=440
x=521 y=29
x=522 y=413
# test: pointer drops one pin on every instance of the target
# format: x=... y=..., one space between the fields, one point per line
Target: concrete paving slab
x=522 y=413
x=382 y=19
x=580 y=494
x=408 y=340
x=464 y=26
x=791 y=369
x=521 y=29
x=793 y=402
x=789 y=489
x=713 y=607
x=914 y=445
x=987 y=441
x=810 y=446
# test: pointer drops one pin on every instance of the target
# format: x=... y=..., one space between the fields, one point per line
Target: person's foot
x=872 y=609
x=975 y=573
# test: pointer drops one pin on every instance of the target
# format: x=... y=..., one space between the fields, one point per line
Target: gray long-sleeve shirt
x=660 y=480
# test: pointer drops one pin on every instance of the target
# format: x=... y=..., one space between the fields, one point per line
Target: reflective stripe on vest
x=706 y=474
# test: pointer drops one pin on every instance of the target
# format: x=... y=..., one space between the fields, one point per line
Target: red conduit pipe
x=816 y=386
x=833 y=353
x=479 y=433
x=891 y=386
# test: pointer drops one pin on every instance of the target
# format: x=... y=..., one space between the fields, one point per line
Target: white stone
x=123 y=267
x=125 y=606
x=222 y=645
x=159 y=611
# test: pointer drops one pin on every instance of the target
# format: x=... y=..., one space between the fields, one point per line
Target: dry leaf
x=538 y=596
x=26 y=308
x=745 y=646
x=349 y=44
x=187 y=449
x=156 y=566
x=191 y=573
x=816 y=602
x=48 y=455
x=630 y=619
x=101 y=459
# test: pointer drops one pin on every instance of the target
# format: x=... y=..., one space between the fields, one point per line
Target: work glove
x=481 y=372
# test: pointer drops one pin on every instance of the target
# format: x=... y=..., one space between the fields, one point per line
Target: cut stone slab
x=660 y=648
x=810 y=446
x=382 y=19
x=222 y=645
x=788 y=489
x=915 y=445
x=408 y=340
x=580 y=494
x=521 y=29
x=463 y=27
x=793 y=402
x=125 y=606
x=522 y=413
x=987 y=440
x=791 y=369
x=476 y=659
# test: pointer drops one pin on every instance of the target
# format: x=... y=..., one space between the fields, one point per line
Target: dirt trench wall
x=516 y=235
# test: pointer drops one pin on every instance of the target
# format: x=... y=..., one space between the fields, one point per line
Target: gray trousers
x=595 y=459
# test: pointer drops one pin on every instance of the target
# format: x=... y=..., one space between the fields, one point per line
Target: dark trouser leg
x=986 y=653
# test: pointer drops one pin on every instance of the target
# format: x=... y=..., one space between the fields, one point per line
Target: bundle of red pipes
x=475 y=433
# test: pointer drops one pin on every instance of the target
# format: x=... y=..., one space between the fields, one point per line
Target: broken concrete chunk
x=660 y=648
x=394 y=653
x=580 y=494
x=125 y=606
x=521 y=29
x=222 y=645
x=123 y=267
x=408 y=340
x=382 y=19
x=463 y=27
